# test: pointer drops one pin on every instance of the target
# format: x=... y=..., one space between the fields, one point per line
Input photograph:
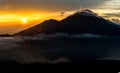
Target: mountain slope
x=81 y=22
x=88 y=22
x=48 y=26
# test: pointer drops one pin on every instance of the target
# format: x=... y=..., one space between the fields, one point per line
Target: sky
x=16 y=15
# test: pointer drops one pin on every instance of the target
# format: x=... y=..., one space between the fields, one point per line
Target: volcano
x=81 y=22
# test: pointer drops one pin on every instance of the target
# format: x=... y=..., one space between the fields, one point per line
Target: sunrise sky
x=16 y=15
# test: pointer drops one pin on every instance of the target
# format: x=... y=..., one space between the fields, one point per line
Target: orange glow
x=24 y=20
x=15 y=21
x=17 y=18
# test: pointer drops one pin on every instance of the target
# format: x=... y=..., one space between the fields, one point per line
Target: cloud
x=56 y=5
x=112 y=15
x=65 y=35
x=42 y=50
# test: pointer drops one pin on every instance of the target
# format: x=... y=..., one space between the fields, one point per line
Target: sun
x=24 y=20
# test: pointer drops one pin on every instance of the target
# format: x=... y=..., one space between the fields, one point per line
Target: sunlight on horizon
x=26 y=18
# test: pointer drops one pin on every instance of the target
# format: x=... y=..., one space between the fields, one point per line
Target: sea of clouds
x=38 y=49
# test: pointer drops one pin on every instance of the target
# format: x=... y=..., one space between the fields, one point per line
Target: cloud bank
x=42 y=50
x=49 y=4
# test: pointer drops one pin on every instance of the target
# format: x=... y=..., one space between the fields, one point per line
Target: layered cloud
x=49 y=4
x=28 y=50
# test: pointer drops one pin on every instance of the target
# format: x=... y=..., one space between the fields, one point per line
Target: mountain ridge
x=85 y=21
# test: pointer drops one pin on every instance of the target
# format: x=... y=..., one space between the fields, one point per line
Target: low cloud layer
x=28 y=50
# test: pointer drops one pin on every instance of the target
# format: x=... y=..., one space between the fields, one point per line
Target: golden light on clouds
x=17 y=18
x=8 y=18
x=13 y=21
x=22 y=14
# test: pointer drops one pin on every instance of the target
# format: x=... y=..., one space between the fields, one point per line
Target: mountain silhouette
x=48 y=26
x=81 y=22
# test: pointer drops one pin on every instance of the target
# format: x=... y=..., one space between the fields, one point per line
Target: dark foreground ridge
x=106 y=66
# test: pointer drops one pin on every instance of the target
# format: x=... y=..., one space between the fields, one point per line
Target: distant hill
x=5 y=35
x=81 y=22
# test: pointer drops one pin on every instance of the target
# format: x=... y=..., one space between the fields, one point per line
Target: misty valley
x=50 y=50
x=36 y=54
